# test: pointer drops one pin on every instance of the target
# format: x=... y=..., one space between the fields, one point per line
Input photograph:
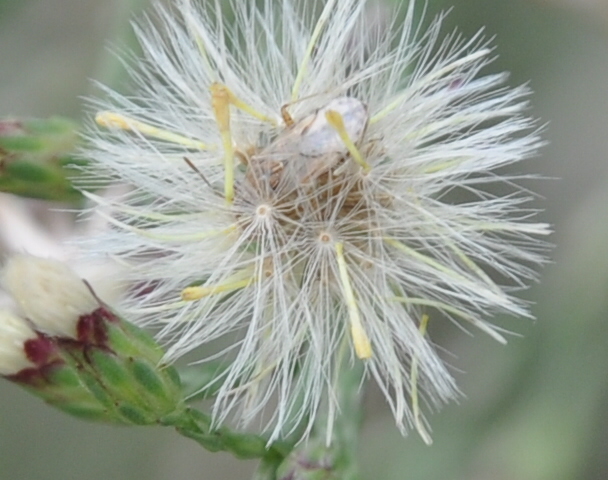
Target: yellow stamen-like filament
x=166 y=237
x=363 y=347
x=474 y=267
x=444 y=307
x=414 y=389
x=336 y=122
x=427 y=80
x=220 y=102
x=323 y=18
x=196 y=293
x=439 y=167
x=221 y=99
x=498 y=295
x=122 y=122
x=251 y=111
x=238 y=103
x=464 y=119
x=195 y=32
x=427 y=260
x=143 y=214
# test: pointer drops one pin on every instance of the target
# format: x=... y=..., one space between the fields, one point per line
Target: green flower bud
x=83 y=359
x=33 y=158
x=121 y=365
x=35 y=362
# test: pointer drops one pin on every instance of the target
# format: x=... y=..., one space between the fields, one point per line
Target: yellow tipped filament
x=427 y=80
x=363 y=347
x=314 y=38
x=221 y=99
x=122 y=122
x=220 y=102
x=414 y=389
x=336 y=121
x=190 y=294
x=232 y=99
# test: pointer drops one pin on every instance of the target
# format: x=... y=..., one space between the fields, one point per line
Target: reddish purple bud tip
x=41 y=350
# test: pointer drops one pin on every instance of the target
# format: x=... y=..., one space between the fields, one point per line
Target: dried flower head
x=309 y=199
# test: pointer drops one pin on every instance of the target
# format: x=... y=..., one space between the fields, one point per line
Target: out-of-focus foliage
x=36 y=156
x=533 y=410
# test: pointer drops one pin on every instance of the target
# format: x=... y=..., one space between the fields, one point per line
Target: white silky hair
x=48 y=293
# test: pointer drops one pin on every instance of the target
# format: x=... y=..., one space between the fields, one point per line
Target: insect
x=311 y=146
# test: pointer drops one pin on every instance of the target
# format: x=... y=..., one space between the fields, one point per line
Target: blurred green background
x=536 y=409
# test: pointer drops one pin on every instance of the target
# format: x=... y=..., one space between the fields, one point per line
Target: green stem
x=198 y=426
x=267 y=470
x=313 y=459
x=348 y=423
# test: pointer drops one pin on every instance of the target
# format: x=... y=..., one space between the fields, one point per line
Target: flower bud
x=36 y=157
x=48 y=293
x=14 y=333
x=82 y=358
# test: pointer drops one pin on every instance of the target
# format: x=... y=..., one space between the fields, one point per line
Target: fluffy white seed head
x=48 y=293
x=306 y=199
x=14 y=332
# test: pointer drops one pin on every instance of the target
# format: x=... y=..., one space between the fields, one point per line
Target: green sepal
x=149 y=380
x=157 y=385
x=123 y=390
x=135 y=415
x=131 y=378
x=110 y=373
x=90 y=413
x=127 y=340
x=98 y=390
x=62 y=386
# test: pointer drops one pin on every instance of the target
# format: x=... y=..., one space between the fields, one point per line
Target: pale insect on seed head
x=313 y=145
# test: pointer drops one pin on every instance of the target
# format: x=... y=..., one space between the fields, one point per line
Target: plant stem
x=198 y=426
x=314 y=459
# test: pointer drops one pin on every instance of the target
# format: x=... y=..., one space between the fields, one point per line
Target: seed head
x=309 y=200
